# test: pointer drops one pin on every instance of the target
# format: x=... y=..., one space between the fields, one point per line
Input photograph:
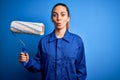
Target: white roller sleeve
x=27 y=27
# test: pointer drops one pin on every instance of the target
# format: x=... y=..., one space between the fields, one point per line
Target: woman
x=61 y=53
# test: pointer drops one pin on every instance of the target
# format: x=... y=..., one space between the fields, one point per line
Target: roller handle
x=24 y=51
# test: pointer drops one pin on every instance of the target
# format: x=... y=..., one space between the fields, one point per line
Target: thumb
x=26 y=54
x=27 y=57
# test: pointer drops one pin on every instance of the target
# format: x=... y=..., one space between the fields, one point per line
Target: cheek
x=65 y=20
x=53 y=20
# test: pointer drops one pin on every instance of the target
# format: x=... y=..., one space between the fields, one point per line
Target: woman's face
x=60 y=17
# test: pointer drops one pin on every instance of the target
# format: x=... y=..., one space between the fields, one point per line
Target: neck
x=60 y=32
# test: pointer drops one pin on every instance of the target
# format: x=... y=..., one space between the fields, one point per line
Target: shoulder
x=46 y=36
x=76 y=36
x=44 y=39
x=76 y=39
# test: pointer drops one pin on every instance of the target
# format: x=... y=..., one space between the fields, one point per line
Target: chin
x=58 y=27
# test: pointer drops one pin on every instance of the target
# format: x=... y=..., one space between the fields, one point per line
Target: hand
x=24 y=57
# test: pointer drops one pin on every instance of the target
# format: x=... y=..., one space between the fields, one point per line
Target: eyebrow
x=60 y=12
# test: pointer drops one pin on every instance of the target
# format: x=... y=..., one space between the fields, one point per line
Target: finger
x=22 y=59
x=22 y=53
x=26 y=54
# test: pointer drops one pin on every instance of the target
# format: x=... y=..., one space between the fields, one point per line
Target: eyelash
x=63 y=14
x=54 y=15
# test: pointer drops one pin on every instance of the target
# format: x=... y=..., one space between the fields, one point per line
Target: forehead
x=60 y=8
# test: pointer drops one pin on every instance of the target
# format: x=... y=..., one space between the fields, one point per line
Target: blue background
x=96 y=21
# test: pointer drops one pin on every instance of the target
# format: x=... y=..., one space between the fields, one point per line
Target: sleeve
x=34 y=64
x=81 y=63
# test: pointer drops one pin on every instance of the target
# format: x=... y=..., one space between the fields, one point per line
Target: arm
x=81 y=63
x=32 y=65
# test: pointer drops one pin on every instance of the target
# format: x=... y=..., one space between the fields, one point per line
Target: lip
x=58 y=24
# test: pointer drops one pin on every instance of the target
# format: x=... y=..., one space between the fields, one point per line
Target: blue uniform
x=59 y=58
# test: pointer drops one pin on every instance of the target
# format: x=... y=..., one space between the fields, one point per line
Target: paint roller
x=23 y=27
x=27 y=27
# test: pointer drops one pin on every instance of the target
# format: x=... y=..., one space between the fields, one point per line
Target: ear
x=68 y=18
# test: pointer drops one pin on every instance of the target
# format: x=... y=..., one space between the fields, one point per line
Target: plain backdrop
x=96 y=21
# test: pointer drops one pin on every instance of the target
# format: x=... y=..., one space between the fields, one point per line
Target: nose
x=58 y=17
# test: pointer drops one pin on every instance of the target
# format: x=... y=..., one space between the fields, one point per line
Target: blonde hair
x=68 y=25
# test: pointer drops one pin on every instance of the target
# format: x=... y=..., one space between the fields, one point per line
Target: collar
x=66 y=37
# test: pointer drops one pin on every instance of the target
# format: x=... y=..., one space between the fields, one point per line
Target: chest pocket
x=70 y=51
